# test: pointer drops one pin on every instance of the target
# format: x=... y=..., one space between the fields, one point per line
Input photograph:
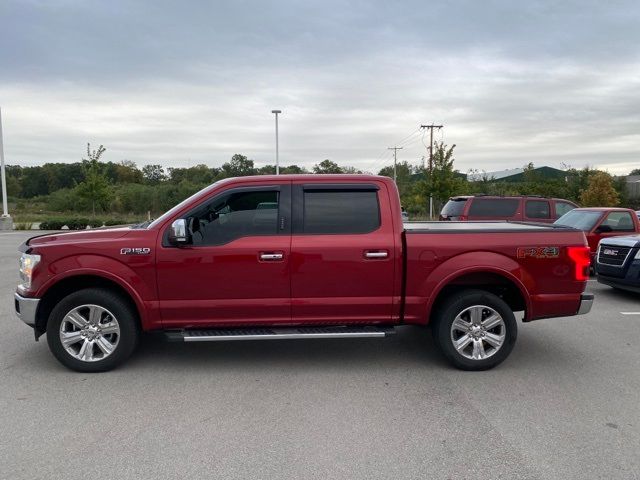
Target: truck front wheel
x=475 y=330
x=92 y=330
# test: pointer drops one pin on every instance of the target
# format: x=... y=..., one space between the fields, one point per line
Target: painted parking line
x=630 y=313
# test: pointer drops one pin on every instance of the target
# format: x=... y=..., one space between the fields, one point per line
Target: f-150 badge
x=135 y=251
x=538 y=252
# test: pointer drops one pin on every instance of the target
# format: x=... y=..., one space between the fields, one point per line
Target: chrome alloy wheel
x=89 y=333
x=478 y=332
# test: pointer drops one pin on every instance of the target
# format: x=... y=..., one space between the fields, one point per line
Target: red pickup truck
x=297 y=256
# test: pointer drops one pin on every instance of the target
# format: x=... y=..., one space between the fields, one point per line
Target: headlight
x=27 y=264
x=637 y=257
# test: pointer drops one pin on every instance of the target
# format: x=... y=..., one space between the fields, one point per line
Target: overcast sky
x=186 y=82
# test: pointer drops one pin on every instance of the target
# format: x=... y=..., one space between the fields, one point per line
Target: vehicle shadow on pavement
x=621 y=295
x=410 y=346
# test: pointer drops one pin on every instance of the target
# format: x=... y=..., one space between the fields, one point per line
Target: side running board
x=223 y=335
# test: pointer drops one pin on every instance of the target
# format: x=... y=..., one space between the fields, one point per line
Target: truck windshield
x=583 y=220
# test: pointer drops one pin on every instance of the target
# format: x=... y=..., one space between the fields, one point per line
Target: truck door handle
x=271 y=256
x=376 y=254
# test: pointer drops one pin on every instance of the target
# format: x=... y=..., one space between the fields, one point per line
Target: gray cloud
x=184 y=83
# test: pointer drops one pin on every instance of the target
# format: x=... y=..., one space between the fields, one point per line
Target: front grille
x=613 y=255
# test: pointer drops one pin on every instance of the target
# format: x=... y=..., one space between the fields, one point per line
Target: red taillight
x=581 y=257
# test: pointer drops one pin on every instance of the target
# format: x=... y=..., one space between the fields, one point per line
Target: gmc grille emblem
x=608 y=251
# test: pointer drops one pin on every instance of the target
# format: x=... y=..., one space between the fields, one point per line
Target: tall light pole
x=6 y=219
x=277 y=159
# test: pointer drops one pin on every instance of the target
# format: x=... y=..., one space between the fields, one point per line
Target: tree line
x=95 y=187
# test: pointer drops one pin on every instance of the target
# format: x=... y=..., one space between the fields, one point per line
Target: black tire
x=458 y=303
x=127 y=337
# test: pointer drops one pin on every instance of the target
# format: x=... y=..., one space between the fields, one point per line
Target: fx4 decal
x=538 y=252
x=135 y=251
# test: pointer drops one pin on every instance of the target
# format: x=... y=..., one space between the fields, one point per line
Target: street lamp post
x=6 y=222
x=277 y=159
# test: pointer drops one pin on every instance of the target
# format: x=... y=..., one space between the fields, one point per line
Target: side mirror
x=604 y=229
x=178 y=233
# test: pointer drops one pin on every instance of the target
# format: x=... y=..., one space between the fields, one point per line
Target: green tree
x=404 y=177
x=153 y=174
x=126 y=172
x=443 y=181
x=600 y=191
x=199 y=174
x=268 y=170
x=635 y=171
x=327 y=166
x=95 y=188
x=293 y=169
x=238 y=166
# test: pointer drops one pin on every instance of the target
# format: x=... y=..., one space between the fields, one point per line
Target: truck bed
x=480 y=226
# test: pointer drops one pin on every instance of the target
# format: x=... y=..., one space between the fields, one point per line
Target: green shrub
x=52 y=224
x=22 y=226
x=96 y=223
x=110 y=222
x=77 y=223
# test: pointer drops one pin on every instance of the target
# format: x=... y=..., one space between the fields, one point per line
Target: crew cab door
x=343 y=254
x=236 y=270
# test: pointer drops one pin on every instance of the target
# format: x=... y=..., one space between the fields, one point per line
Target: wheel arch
x=498 y=282
x=74 y=283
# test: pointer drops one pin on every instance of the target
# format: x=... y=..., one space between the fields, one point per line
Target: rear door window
x=494 y=207
x=537 y=209
x=340 y=211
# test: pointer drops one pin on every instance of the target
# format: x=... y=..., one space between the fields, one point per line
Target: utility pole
x=395 y=161
x=431 y=128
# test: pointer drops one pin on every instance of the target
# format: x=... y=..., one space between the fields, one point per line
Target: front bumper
x=586 y=302
x=26 y=309
x=626 y=283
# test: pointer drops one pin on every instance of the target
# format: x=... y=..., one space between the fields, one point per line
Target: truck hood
x=623 y=241
x=76 y=236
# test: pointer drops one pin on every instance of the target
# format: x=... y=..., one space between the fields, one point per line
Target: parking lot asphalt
x=564 y=405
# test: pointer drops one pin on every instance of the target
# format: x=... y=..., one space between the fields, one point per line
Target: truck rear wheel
x=475 y=330
x=92 y=330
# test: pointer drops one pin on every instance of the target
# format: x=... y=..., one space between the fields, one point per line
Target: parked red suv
x=523 y=208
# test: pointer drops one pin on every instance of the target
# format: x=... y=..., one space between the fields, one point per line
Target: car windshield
x=581 y=219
